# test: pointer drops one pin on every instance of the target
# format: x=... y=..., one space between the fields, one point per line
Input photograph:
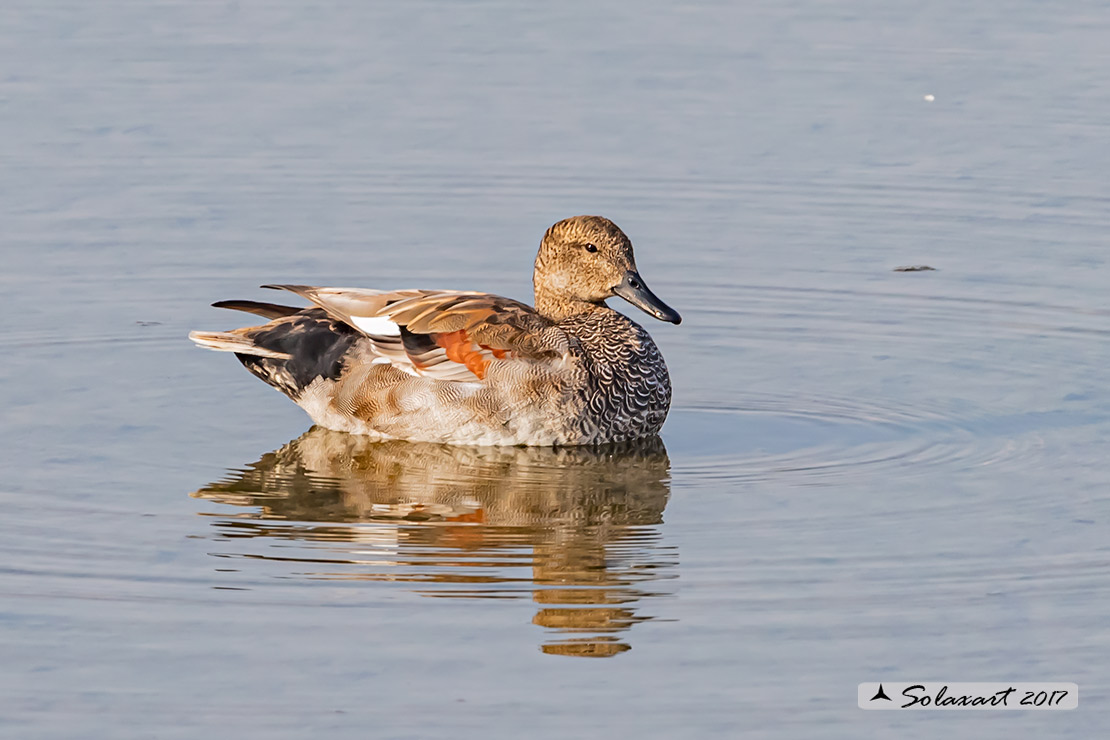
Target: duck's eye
x=591 y=247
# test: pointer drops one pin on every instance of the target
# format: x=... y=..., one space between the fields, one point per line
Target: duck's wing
x=448 y=335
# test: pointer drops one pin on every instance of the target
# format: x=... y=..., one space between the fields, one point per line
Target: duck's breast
x=627 y=389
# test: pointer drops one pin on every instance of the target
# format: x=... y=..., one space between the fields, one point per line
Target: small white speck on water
x=929 y=97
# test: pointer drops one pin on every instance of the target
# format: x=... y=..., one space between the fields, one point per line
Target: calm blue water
x=867 y=474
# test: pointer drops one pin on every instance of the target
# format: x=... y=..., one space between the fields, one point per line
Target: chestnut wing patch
x=455 y=337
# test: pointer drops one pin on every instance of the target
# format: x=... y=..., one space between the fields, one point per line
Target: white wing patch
x=376 y=326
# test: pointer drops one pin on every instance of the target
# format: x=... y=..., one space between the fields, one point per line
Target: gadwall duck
x=459 y=367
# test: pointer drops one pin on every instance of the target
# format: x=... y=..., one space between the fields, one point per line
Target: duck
x=470 y=368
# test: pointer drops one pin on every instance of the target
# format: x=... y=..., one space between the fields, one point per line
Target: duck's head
x=585 y=260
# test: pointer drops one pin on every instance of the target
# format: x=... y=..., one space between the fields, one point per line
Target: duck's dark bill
x=633 y=290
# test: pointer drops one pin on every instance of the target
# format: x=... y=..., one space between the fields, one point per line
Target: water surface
x=867 y=474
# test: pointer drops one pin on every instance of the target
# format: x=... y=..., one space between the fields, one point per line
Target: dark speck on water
x=914 y=268
x=860 y=479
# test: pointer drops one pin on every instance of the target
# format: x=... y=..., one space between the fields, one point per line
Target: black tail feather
x=266 y=310
x=316 y=346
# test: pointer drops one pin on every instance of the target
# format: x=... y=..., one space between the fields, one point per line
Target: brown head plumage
x=584 y=260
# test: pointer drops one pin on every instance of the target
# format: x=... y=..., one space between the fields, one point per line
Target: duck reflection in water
x=580 y=522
